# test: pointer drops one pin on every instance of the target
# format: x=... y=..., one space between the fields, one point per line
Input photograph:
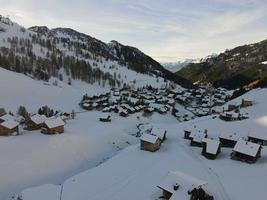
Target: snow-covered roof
x=186 y=182
x=105 y=116
x=228 y=136
x=10 y=124
x=53 y=123
x=247 y=148
x=7 y=117
x=261 y=136
x=211 y=145
x=160 y=132
x=196 y=136
x=38 y=119
x=149 y=138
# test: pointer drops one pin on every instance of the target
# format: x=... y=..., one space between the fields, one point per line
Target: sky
x=167 y=30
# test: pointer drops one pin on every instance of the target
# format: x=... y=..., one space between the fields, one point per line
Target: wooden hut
x=9 y=127
x=53 y=126
x=35 y=122
x=229 y=140
x=259 y=138
x=246 y=103
x=210 y=148
x=124 y=113
x=149 y=142
x=246 y=151
x=160 y=132
x=105 y=118
x=176 y=185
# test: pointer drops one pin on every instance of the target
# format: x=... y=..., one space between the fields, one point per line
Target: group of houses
x=244 y=149
x=9 y=124
x=178 y=185
x=126 y=101
x=152 y=140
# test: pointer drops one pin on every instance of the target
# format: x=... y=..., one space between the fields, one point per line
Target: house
x=246 y=103
x=230 y=116
x=105 y=118
x=149 y=142
x=259 y=138
x=6 y=117
x=210 y=148
x=229 y=140
x=160 y=132
x=53 y=126
x=35 y=122
x=177 y=186
x=233 y=106
x=9 y=127
x=124 y=113
x=246 y=151
x=196 y=139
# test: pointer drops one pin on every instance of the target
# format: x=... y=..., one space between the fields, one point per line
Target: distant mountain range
x=240 y=67
x=176 y=66
x=42 y=52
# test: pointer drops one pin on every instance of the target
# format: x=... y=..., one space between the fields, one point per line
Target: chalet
x=35 y=122
x=2 y=112
x=246 y=151
x=210 y=148
x=149 y=142
x=233 y=106
x=196 y=139
x=160 y=133
x=107 y=109
x=177 y=185
x=149 y=110
x=259 y=138
x=105 y=118
x=53 y=126
x=124 y=113
x=230 y=116
x=229 y=140
x=9 y=127
x=246 y=103
x=6 y=117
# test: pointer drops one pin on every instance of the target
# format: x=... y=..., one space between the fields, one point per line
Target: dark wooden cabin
x=211 y=148
x=149 y=143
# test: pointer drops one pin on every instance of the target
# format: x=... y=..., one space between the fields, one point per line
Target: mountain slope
x=42 y=53
x=232 y=68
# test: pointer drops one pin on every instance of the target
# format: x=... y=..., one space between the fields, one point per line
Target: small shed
x=246 y=151
x=176 y=185
x=160 y=132
x=211 y=148
x=105 y=118
x=124 y=113
x=229 y=140
x=259 y=138
x=9 y=127
x=246 y=103
x=53 y=126
x=149 y=142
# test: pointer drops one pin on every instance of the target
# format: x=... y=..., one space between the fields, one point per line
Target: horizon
x=167 y=32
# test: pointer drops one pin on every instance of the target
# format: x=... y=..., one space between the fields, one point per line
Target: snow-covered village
x=84 y=119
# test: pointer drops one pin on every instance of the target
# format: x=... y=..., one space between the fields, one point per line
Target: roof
x=10 y=124
x=247 y=148
x=196 y=136
x=106 y=116
x=185 y=181
x=149 y=138
x=53 y=123
x=7 y=117
x=261 y=136
x=160 y=132
x=233 y=137
x=211 y=145
x=38 y=119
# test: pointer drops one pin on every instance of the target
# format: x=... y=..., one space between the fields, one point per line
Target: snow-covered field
x=134 y=174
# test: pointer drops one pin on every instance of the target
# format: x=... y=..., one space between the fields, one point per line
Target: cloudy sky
x=167 y=30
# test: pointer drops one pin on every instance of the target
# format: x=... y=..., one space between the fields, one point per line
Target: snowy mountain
x=176 y=66
x=42 y=53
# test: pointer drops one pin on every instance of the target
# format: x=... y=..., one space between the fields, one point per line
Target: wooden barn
x=246 y=151
x=229 y=140
x=35 y=122
x=105 y=118
x=178 y=185
x=53 y=126
x=149 y=142
x=259 y=138
x=211 y=148
x=160 y=132
x=8 y=128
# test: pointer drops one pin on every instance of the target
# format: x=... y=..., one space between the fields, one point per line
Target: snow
x=10 y=124
x=247 y=148
x=228 y=136
x=38 y=119
x=212 y=145
x=149 y=138
x=53 y=123
x=52 y=192
x=261 y=136
x=159 y=132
